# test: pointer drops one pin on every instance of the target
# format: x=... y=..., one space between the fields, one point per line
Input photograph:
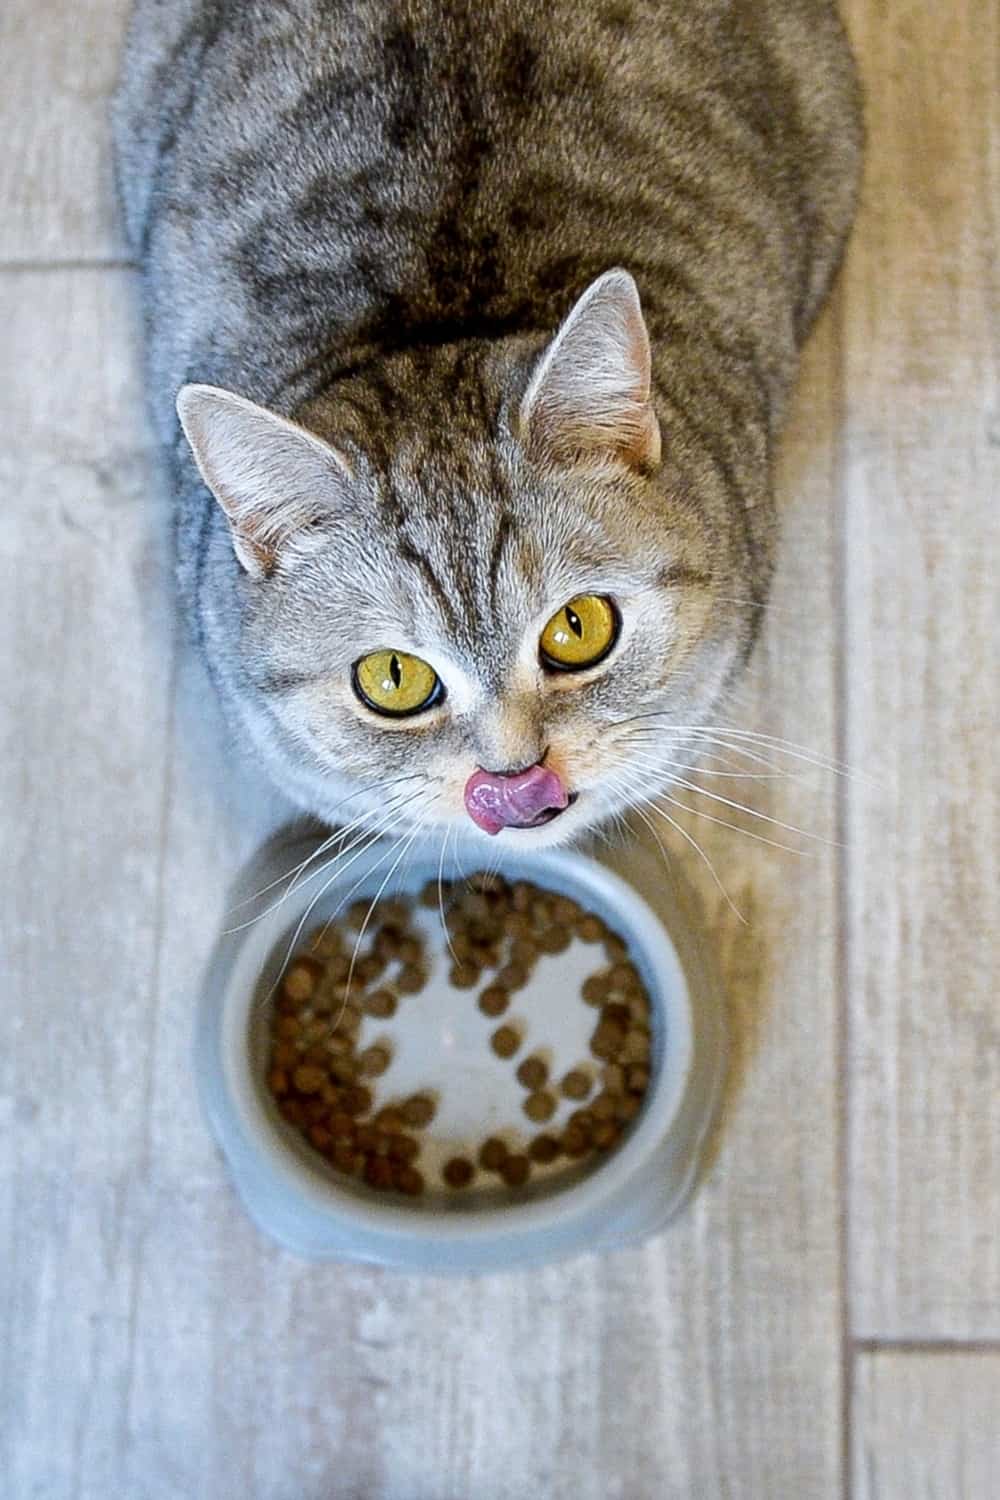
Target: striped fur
x=371 y=217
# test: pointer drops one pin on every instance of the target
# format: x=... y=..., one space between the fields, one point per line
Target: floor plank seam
x=925 y=1346
x=841 y=879
x=113 y=264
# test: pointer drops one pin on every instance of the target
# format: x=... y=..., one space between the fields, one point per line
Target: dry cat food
x=357 y=975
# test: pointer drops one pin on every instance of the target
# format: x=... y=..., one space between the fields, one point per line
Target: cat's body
x=371 y=216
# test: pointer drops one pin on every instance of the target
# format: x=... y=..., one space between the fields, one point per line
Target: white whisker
x=639 y=797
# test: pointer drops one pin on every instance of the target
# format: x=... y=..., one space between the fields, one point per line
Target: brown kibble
x=387 y=943
x=356 y=915
x=616 y=1012
x=542 y=913
x=373 y=1061
x=308 y=1079
x=316 y=1110
x=287 y=1027
x=492 y=1154
x=533 y=1073
x=475 y=906
x=277 y=1082
x=604 y=1107
x=378 y=1172
x=606 y=1040
x=524 y=953
x=566 y=910
x=540 y=1106
x=458 y=1172
x=512 y=977
x=464 y=975
x=411 y=951
x=615 y=949
x=613 y=1078
x=596 y=989
x=380 y=1003
x=522 y=895
x=410 y=980
x=636 y=1047
x=301 y=979
x=408 y=1180
x=430 y=895
x=418 y=1110
x=390 y=1120
x=554 y=939
x=517 y=925
x=574 y=1141
x=343 y=1069
x=494 y=1001
x=638 y=1078
x=505 y=1041
x=342 y=1126
x=624 y=976
x=357 y=1100
x=369 y=968
x=576 y=1084
x=346 y=1159
x=638 y=1006
x=366 y=1138
x=461 y=947
x=544 y=1149
x=629 y=1106
x=591 y=929
x=516 y=1170
x=325 y=942
x=283 y=1054
x=320 y=1137
x=348 y=1020
x=403 y=1148
x=293 y=1110
x=605 y=1134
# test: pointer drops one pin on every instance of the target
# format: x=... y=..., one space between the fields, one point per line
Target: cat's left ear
x=590 y=396
x=275 y=481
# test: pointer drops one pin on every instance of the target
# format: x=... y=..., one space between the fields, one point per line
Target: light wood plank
x=85 y=665
x=926 y=1426
x=706 y=1363
x=923 y=479
x=55 y=167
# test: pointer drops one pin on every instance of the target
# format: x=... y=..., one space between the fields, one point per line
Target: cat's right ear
x=275 y=481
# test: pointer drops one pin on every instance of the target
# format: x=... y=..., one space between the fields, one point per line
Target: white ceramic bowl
x=626 y=1196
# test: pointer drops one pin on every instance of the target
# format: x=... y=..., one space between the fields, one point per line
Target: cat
x=471 y=325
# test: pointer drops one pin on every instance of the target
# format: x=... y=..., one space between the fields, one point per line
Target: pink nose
x=524 y=800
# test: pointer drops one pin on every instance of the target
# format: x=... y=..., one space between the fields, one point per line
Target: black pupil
x=574 y=621
x=395 y=670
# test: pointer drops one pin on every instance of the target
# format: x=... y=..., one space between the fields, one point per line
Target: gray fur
x=371 y=216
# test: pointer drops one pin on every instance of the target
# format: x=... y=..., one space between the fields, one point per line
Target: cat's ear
x=590 y=395
x=275 y=481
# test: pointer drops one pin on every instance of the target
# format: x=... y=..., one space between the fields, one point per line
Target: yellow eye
x=396 y=684
x=580 y=635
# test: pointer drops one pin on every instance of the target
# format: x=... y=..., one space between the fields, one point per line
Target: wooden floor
x=825 y=1319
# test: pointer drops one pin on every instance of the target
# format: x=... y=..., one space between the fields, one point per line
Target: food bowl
x=617 y=1199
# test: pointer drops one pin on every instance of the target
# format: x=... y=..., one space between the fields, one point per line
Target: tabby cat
x=479 y=318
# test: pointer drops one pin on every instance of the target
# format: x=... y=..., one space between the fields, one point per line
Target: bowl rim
x=348 y=1208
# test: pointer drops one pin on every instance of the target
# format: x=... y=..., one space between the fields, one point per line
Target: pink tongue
x=494 y=802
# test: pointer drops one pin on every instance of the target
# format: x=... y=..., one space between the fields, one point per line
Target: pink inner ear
x=494 y=802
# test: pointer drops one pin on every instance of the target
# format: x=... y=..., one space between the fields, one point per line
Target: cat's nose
x=519 y=799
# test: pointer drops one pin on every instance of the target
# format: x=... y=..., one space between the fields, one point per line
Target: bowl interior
x=440 y=1042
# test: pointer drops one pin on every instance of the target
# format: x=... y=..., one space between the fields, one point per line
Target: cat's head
x=481 y=589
